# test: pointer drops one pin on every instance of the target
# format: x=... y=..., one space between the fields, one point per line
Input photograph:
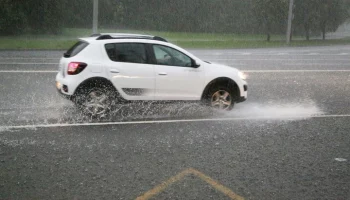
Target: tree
x=13 y=18
x=332 y=13
x=272 y=14
x=320 y=15
x=306 y=16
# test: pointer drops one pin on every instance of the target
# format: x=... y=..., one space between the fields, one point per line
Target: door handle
x=162 y=73
x=114 y=71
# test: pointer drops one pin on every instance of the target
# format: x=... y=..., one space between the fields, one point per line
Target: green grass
x=258 y=43
x=186 y=40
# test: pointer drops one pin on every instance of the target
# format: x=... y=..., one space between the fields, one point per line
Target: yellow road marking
x=158 y=189
x=161 y=187
x=216 y=185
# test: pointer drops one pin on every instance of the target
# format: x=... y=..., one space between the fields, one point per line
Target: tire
x=220 y=97
x=96 y=100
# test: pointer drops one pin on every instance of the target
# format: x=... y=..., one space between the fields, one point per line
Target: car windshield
x=177 y=99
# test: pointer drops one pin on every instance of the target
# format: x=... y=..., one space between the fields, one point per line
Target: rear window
x=127 y=52
x=75 y=49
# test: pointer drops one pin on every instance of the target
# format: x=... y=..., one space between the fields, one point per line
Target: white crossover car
x=105 y=69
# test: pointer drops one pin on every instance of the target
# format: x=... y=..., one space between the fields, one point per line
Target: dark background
x=312 y=17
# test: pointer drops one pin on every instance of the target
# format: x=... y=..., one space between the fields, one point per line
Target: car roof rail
x=159 y=39
x=109 y=36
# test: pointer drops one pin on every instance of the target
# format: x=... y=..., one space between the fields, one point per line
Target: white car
x=105 y=69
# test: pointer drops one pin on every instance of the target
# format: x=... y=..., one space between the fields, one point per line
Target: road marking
x=22 y=58
x=217 y=185
x=29 y=63
x=276 y=59
x=158 y=189
x=292 y=71
x=280 y=54
x=170 y=121
x=320 y=64
x=33 y=71
x=248 y=71
x=340 y=159
x=57 y=105
x=238 y=64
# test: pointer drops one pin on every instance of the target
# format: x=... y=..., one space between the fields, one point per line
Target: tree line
x=311 y=17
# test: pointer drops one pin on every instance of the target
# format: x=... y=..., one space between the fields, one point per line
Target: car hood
x=221 y=67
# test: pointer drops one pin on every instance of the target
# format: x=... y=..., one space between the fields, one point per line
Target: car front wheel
x=220 y=98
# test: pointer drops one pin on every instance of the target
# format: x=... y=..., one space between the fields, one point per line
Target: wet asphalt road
x=289 y=140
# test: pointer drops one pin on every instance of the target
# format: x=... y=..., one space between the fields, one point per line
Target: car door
x=176 y=77
x=130 y=70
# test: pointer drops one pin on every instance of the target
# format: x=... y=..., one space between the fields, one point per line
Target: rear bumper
x=65 y=96
x=66 y=85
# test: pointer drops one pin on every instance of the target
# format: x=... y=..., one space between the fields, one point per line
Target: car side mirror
x=195 y=64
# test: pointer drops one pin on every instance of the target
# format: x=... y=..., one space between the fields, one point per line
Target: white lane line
x=171 y=121
x=29 y=63
x=238 y=64
x=34 y=71
x=248 y=71
x=280 y=54
x=279 y=59
x=286 y=71
x=320 y=64
x=30 y=58
x=246 y=53
x=56 y=106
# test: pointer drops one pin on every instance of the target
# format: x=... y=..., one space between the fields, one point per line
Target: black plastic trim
x=109 y=37
x=241 y=99
x=66 y=96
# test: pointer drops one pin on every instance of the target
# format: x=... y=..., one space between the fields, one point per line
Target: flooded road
x=284 y=142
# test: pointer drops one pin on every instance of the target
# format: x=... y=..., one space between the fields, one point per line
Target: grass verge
x=186 y=40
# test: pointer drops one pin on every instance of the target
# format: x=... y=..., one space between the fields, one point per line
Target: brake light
x=75 y=68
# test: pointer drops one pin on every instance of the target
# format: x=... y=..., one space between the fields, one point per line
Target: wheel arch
x=221 y=81
x=94 y=81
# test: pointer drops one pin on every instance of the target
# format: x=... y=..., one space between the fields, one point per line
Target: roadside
x=187 y=40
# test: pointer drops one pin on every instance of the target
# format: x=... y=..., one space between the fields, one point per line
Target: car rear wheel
x=96 y=102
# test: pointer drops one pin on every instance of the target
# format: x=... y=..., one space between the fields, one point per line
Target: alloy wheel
x=96 y=103
x=221 y=100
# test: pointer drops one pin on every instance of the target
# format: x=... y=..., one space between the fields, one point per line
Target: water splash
x=162 y=111
x=276 y=111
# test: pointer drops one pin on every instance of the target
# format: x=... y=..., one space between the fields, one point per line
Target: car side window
x=127 y=52
x=169 y=56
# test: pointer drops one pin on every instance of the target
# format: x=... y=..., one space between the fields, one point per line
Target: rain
x=177 y=99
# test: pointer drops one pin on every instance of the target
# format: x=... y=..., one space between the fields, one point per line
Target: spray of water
x=67 y=113
x=276 y=111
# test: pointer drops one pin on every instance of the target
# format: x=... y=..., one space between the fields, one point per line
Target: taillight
x=75 y=68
